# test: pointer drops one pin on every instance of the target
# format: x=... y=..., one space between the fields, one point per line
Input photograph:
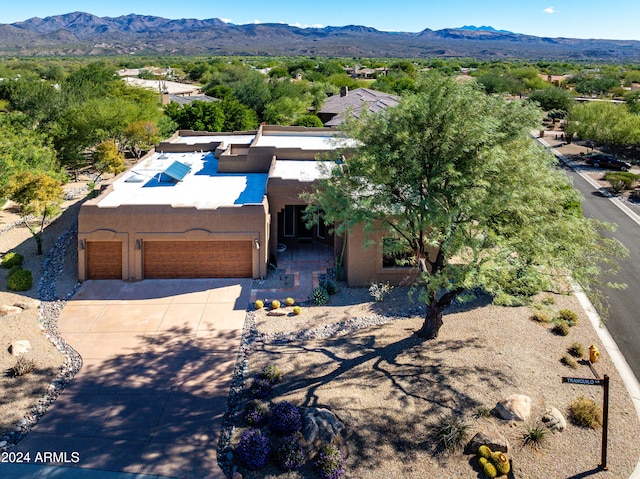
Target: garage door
x=197 y=259
x=104 y=259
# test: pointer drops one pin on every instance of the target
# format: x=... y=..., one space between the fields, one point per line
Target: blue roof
x=177 y=171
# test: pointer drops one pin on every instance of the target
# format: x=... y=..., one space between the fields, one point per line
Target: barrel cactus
x=290 y=301
x=319 y=296
x=275 y=304
x=490 y=470
x=484 y=451
x=259 y=304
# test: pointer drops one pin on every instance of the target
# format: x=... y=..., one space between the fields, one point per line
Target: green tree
x=107 y=158
x=310 y=121
x=475 y=200
x=140 y=136
x=39 y=195
x=197 y=115
x=552 y=98
x=605 y=123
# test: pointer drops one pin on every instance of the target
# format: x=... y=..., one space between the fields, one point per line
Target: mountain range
x=85 y=34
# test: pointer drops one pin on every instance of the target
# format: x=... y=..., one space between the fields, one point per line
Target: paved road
x=624 y=305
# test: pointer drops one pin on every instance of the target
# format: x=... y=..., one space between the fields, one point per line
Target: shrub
x=534 y=436
x=330 y=286
x=253 y=449
x=271 y=373
x=289 y=301
x=256 y=413
x=380 y=290
x=620 y=180
x=540 y=317
x=260 y=388
x=319 y=296
x=576 y=350
x=22 y=366
x=482 y=411
x=285 y=418
x=450 y=434
x=585 y=413
x=548 y=300
x=330 y=463
x=20 y=280
x=297 y=310
x=290 y=454
x=14 y=269
x=259 y=304
x=275 y=304
x=568 y=316
x=569 y=361
x=561 y=329
x=12 y=259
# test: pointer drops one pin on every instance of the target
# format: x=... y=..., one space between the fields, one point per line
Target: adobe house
x=353 y=103
x=218 y=205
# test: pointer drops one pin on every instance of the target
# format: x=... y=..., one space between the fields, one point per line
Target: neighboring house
x=186 y=99
x=218 y=205
x=170 y=87
x=337 y=107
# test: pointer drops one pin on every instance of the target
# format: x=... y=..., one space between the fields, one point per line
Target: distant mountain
x=81 y=33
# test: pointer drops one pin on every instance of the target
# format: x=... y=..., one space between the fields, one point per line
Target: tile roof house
x=337 y=107
x=218 y=205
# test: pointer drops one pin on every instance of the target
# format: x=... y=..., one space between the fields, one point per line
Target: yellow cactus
x=275 y=304
x=484 y=451
x=297 y=310
x=290 y=301
x=259 y=304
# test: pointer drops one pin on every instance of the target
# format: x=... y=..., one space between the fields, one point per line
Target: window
x=397 y=253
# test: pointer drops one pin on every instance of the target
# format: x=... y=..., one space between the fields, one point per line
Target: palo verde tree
x=452 y=175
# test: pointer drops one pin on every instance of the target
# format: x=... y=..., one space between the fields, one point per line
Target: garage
x=197 y=259
x=104 y=259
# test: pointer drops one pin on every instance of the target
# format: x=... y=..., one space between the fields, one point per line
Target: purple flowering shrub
x=285 y=418
x=290 y=454
x=254 y=449
x=260 y=388
x=256 y=413
x=330 y=463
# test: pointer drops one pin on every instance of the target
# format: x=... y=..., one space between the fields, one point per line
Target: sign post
x=604 y=382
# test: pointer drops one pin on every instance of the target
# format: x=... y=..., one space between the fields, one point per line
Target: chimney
x=344 y=91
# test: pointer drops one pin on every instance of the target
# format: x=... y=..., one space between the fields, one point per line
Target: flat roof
x=302 y=141
x=203 y=187
x=302 y=170
x=204 y=139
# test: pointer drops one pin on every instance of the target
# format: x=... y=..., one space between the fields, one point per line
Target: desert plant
x=271 y=373
x=22 y=366
x=540 y=317
x=12 y=259
x=548 y=300
x=585 y=413
x=576 y=350
x=329 y=286
x=380 y=290
x=561 y=329
x=14 y=269
x=482 y=411
x=260 y=388
x=20 y=280
x=620 y=180
x=319 y=296
x=297 y=310
x=568 y=316
x=285 y=418
x=289 y=301
x=489 y=470
x=484 y=451
x=253 y=449
x=259 y=304
x=450 y=434
x=275 y=304
x=501 y=462
x=330 y=463
x=256 y=413
x=534 y=436
x=569 y=361
x=290 y=453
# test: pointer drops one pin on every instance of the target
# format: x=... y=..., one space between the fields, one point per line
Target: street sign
x=584 y=381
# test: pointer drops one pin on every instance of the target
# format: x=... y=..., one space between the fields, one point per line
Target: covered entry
x=197 y=259
x=104 y=259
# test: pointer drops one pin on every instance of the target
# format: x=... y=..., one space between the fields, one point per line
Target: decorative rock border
x=50 y=308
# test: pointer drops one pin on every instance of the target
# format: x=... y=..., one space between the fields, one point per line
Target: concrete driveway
x=158 y=359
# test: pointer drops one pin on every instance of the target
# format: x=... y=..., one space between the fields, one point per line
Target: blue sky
x=612 y=19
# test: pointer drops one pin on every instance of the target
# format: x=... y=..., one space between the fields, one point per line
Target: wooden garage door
x=197 y=259
x=104 y=259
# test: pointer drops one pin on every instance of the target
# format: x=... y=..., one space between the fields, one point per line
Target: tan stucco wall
x=155 y=222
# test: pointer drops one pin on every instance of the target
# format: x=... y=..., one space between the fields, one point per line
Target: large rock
x=320 y=426
x=494 y=441
x=6 y=310
x=554 y=420
x=516 y=407
x=20 y=347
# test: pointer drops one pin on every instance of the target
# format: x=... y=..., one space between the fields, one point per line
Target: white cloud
x=256 y=22
x=549 y=10
x=300 y=25
x=226 y=20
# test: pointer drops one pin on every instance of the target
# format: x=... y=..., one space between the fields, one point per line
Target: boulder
x=28 y=305
x=320 y=426
x=494 y=441
x=554 y=420
x=20 y=347
x=6 y=310
x=516 y=407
